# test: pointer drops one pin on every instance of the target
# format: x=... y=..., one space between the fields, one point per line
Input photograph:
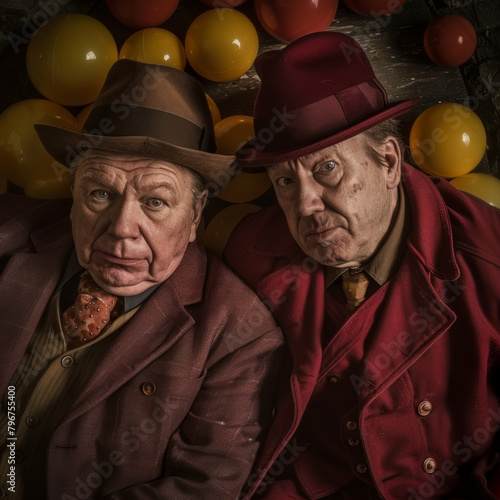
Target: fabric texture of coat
x=203 y=339
x=429 y=409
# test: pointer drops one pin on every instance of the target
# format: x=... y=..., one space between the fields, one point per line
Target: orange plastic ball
x=229 y=4
x=219 y=229
x=142 y=13
x=69 y=57
x=450 y=40
x=288 y=20
x=374 y=8
x=221 y=44
x=484 y=186
x=155 y=46
x=214 y=110
x=82 y=116
x=23 y=159
x=230 y=134
x=447 y=140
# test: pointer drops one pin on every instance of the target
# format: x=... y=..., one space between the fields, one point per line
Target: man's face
x=133 y=218
x=338 y=202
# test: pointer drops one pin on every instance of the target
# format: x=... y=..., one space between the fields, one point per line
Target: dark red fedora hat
x=317 y=91
x=148 y=110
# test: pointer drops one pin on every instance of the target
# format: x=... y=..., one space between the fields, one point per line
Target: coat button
x=424 y=408
x=429 y=465
x=148 y=388
x=32 y=421
x=353 y=442
x=351 y=425
x=67 y=361
x=361 y=468
x=334 y=379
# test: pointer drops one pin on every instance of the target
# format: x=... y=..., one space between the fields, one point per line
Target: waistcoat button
x=429 y=465
x=424 y=408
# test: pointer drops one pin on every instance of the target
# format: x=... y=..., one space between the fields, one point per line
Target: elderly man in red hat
x=386 y=285
x=133 y=364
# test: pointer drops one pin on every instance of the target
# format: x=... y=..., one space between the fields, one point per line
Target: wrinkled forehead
x=349 y=148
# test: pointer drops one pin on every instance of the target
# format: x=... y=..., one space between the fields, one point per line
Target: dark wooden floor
x=394 y=46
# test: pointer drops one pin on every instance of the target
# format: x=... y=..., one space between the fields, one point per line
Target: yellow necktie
x=354 y=285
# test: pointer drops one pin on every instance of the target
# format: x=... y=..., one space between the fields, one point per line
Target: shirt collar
x=383 y=265
x=68 y=293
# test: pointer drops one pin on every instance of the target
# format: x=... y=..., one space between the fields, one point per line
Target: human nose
x=125 y=220
x=309 y=198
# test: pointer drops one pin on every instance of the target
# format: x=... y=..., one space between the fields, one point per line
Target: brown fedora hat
x=317 y=91
x=149 y=110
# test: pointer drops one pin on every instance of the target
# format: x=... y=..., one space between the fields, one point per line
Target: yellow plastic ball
x=155 y=46
x=219 y=229
x=214 y=110
x=23 y=159
x=484 y=186
x=69 y=57
x=221 y=44
x=230 y=134
x=447 y=140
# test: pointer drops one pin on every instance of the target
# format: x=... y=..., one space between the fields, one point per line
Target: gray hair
x=376 y=136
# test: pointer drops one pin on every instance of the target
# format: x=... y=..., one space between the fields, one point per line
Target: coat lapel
x=26 y=286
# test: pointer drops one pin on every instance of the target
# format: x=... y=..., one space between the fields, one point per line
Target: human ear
x=392 y=155
x=197 y=211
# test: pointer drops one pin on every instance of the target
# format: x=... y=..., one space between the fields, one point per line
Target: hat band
x=286 y=130
x=128 y=121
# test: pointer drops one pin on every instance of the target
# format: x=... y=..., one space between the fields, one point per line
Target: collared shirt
x=385 y=262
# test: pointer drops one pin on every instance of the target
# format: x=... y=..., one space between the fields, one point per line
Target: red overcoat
x=435 y=338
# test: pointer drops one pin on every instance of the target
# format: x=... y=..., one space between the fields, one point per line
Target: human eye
x=154 y=204
x=327 y=166
x=283 y=181
x=100 y=195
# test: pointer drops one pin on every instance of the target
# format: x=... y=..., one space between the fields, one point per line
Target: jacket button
x=148 y=388
x=424 y=408
x=32 y=421
x=351 y=425
x=67 y=361
x=334 y=379
x=353 y=442
x=361 y=468
x=429 y=465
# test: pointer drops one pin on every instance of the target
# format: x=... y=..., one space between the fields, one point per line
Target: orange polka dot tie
x=354 y=286
x=93 y=311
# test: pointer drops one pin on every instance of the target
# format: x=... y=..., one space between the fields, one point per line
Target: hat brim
x=65 y=146
x=251 y=158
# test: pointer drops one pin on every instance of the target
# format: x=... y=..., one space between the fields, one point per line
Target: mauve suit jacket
x=203 y=339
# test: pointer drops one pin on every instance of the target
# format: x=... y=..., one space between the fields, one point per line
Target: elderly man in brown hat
x=133 y=364
x=386 y=285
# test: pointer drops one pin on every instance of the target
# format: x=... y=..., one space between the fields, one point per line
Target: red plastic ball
x=228 y=4
x=450 y=40
x=288 y=20
x=374 y=8
x=142 y=13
